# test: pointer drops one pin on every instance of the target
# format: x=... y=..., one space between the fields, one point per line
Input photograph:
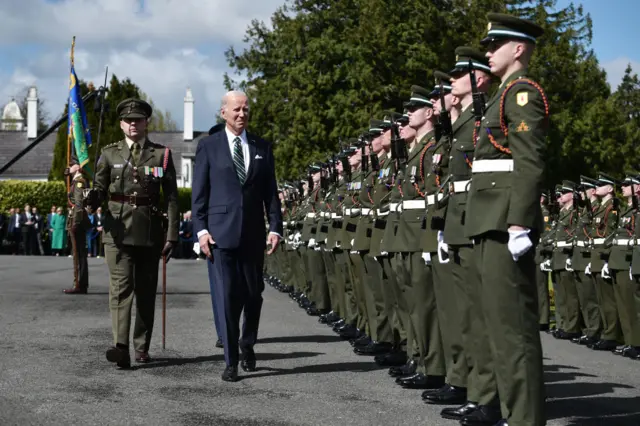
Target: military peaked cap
x=419 y=98
x=588 y=182
x=134 y=108
x=604 y=179
x=568 y=186
x=508 y=27
x=631 y=178
x=558 y=189
x=445 y=79
x=464 y=54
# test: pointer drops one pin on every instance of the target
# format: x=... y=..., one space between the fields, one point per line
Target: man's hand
x=204 y=241
x=273 y=240
x=167 y=251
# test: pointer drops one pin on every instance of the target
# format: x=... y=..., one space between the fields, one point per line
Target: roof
x=37 y=162
x=11 y=111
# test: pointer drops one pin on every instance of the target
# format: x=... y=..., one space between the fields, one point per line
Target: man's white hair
x=231 y=94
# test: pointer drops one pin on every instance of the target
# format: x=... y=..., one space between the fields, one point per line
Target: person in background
x=50 y=227
x=58 y=232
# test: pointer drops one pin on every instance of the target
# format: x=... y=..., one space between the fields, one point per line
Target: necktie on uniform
x=238 y=160
x=135 y=152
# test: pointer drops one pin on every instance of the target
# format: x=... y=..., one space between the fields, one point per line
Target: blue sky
x=165 y=46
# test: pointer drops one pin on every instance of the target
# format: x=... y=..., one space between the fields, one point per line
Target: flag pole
x=73 y=46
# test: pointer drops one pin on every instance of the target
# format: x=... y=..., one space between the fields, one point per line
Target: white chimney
x=188 y=115
x=32 y=113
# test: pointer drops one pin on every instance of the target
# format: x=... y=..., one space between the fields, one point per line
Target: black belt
x=133 y=199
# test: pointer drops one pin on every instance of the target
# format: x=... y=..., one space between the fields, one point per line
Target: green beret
x=464 y=54
x=508 y=27
x=133 y=108
x=419 y=98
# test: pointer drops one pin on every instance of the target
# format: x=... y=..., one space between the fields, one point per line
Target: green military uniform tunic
x=335 y=269
x=586 y=288
x=507 y=193
x=134 y=231
x=542 y=277
x=605 y=225
x=319 y=285
x=624 y=286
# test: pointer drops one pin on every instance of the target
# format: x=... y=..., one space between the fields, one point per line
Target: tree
x=119 y=90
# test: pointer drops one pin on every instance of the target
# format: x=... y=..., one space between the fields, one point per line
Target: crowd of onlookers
x=28 y=232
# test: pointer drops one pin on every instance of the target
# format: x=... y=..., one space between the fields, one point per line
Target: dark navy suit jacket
x=232 y=213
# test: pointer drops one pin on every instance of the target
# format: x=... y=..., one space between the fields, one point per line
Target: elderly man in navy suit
x=233 y=187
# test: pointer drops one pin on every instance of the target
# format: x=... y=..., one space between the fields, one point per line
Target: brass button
x=135 y=181
x=493 y=184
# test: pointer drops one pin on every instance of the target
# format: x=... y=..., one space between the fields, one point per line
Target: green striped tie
x=238 y=160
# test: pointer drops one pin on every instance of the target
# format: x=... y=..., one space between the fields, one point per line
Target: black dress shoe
x=604 y=345
x=588 y=340
x=428 y=392
x=219 y=343
x=373 y=349
x=315 y=312
x=230 y=374
x=632 y=352
x=360 y=342
x=329 y=317
x=248 y=359
x=578 y=339
x=620 y=350
x=484 y=415
x=456 y=413
x=405 y=370
x=391 y=359
x=421 y=381
x=120 y=355
x=349 y=332
x=337 y=324
x=451 y=395
x=564 y=335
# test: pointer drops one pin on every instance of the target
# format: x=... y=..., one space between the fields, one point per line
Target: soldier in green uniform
x=542 y=274
x=78 y=224
x=624 y=285
x=581 y=259
x=568 y=305
x=309 y=228
x=605 y=222
x=130 y=175
x=507 y=172
x=423 y=317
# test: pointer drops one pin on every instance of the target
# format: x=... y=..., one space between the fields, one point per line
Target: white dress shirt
x=245 y=146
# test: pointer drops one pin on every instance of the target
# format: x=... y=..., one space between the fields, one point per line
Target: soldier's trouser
x=447 y=308
x=391 y=303
x=340 y=273
x=299 y=268
x=132 y=271
x=481 y=383
x=360 y=275
x=572 y=318
x=588 y=304
x=349 y=296
x=380 y=325
x=424 y=317
x=319 y=288
x=406 y=301
x=509 y=300
x=371 y=281
x=79 y=239
x=624 y=289
x=543 y=296
x=306 y=287
x=330 y=270
x=608 y=308
x=559 y=299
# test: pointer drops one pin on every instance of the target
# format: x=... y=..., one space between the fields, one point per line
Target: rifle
x=445 y=118
x=101 y=105
x=398 y=146
x=364 y=159
x=478 y=98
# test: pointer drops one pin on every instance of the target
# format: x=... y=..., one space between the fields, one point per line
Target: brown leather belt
x=133 y=199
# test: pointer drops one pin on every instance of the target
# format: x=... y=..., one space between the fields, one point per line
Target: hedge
x=43 y=195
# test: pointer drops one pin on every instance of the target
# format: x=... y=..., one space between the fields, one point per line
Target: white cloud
x=160 y=47
x=615 y=70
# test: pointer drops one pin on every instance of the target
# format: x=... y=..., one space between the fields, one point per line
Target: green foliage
x=324 y=68
x=43 y=195
x=119 y=90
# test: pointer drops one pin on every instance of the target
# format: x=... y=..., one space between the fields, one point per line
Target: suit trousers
x=133 y=270
x=481 y=383
x=608 y=308
x=235 y=277
x=509 y=299
x=543 y=296
x=625 y=291
x=588 y=304
x=448 y=311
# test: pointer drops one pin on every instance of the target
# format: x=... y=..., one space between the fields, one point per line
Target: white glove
x=519 y=243
x=587 y=270
x=312 y=242
x=317 y=248
x=296 y=237
x=567 y=265
x=630 y=274
x=427 y=258
x=196 y=248
x=353 y=252
x=443 y=249
x=384 y=253
x=605 y=272
x=325 y=240
x=352 y=242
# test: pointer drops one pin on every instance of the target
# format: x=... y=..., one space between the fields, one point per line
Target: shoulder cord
x=424 y=151
x=503 y=124
x=603 y=224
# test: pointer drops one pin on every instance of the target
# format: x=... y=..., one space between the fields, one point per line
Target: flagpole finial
x=73 y=48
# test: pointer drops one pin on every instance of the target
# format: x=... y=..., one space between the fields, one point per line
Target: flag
x=78 y=126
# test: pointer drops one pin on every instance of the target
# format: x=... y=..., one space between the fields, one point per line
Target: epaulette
x=111 y=145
